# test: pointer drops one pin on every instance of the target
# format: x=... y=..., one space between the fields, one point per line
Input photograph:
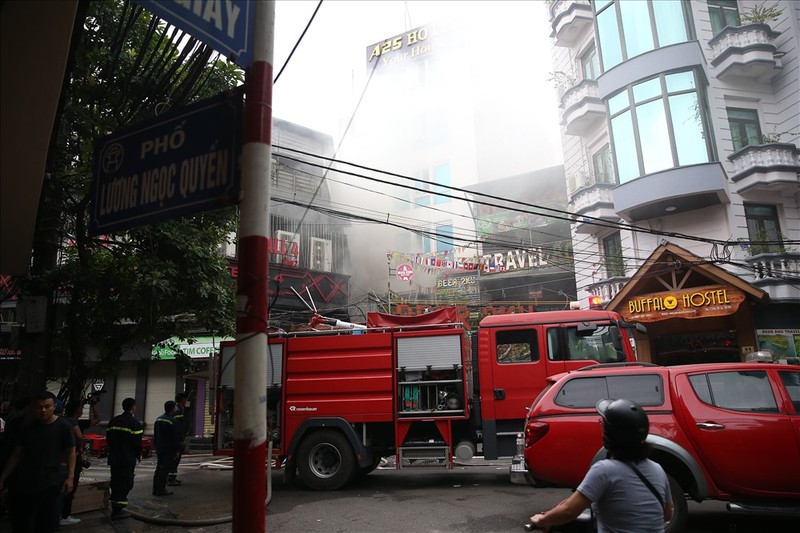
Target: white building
x=680 y=125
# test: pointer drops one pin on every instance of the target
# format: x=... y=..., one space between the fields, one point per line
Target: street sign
x=225 y=25
x=179 y=163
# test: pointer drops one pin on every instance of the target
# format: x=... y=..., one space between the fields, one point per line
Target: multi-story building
x=680 y=125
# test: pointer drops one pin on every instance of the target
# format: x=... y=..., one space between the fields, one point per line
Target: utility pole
x=250 y=378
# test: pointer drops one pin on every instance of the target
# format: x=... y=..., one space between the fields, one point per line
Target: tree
x=152 y=282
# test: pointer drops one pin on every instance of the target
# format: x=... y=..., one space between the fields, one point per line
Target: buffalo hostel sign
x=697 y=302
x=180 y=163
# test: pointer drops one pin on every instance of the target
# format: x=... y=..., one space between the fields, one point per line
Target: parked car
x=723 y=431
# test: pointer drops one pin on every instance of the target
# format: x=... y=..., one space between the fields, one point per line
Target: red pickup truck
x=727 y=431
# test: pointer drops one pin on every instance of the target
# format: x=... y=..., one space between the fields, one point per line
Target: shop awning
x=195 y=348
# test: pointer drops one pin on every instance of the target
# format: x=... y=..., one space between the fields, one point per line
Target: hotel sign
x=695 y=302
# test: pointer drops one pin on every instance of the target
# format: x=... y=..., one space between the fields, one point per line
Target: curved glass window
x=626 y=29
x=658 y=124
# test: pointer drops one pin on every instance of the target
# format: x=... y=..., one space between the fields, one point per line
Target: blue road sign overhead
x=182 y=162
x=225 y=25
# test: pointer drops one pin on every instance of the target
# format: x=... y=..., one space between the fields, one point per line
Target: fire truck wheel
x=325 y=460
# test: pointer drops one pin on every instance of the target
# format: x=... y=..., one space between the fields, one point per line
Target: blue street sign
x=179 y=163
x=225 y=25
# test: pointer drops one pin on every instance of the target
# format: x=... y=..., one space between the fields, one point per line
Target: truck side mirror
x=616 y=338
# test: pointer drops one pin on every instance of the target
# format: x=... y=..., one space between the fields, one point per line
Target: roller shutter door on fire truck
x=274 y=365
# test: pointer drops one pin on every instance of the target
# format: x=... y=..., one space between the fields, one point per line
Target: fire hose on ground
x=207 y=521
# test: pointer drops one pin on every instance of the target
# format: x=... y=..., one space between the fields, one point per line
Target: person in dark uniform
x=183 y=423
x=167 y=438
x=124 y=436
x=44 y=452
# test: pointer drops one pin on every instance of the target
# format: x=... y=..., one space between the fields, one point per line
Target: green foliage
x=761 y=14
x=765 y=243
x=140 y=286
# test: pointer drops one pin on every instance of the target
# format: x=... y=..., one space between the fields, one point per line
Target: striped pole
x=250 y=379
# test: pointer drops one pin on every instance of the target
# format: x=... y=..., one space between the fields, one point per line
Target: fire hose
x=206 y=521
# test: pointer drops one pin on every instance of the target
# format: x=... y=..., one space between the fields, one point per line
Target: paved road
x=477 y=499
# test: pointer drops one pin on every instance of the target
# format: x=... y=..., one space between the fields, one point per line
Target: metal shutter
x=160 y=388
x=440 y=352
x=125 y=386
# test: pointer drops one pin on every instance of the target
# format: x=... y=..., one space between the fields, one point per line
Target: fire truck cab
x=423 y=389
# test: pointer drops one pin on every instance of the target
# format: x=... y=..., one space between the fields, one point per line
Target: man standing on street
x=167 y=438
x=183 y=423
x=124 y=436
x=44 y=450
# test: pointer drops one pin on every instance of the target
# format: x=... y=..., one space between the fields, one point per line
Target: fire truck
x=422 y=389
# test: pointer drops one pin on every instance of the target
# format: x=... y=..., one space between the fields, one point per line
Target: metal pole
x=250 y=379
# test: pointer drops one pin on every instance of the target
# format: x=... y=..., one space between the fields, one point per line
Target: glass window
x=701 y=388
x=626 y=159
x=421 y=196
x=638 y=33
x=791 y=380
x=608 y=37
x=742 y=391
x=745 y=129
x=669 y=16
x=516 y=346
x=589 y=65
x=653 y=131
x=603 y=166
x=583 y=392
x=612 y=256
x=598 y=346
x=763 y=229
x=636 y=25
x=444 y=238
x=441 y=180
x=664 y=129
x=723 y=13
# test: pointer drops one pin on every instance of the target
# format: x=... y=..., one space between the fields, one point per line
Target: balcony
x=778 y=274
x=746 y=52
x=766 y=167
x=608 y=288
x=582 y=109
x=569 y=20
x=590 y=200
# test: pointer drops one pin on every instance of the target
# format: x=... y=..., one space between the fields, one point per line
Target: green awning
x=196 y=348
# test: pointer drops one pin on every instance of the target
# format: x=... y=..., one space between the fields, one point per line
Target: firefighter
x=183 y=423
x=167 y=439
x=124 y=435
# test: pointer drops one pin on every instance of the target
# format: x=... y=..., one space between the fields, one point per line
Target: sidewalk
x=204 y=496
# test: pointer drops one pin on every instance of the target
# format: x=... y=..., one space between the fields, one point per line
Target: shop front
x=695 y=312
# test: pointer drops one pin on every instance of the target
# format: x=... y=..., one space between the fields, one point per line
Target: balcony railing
x=778 y=274
x=607 y=288
x=569 y=19
x=746 y=52
x=581 y=108
x=770 y=166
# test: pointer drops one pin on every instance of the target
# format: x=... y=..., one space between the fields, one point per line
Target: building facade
x=680 y=124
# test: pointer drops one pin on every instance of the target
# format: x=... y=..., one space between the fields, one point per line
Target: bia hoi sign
x=179 y=163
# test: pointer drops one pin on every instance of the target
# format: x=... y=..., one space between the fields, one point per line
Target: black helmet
x=625 y=424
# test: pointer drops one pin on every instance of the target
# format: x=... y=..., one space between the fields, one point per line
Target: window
x=791 y=380
x=736 y=391
x=444 y=238
x=723 y=13
x=603 y=166
x=441 y=180
x=422 y=197
x=589 y=64
x=321 y=255
x=612 y=256
x=763 y=229
x=628 y=29
x=285 y=248
x=657 y=124
x=745 y=129
x=564 y=343
x=585 y=392
x=516 y=346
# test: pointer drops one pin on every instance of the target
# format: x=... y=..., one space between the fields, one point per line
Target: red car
x=723 y=431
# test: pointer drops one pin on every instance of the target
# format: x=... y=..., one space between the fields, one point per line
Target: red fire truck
x=422 y=389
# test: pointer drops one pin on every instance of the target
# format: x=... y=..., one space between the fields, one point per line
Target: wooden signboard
x=691 y=303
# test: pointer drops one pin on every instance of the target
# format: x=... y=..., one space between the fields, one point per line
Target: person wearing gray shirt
x=628 y=492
